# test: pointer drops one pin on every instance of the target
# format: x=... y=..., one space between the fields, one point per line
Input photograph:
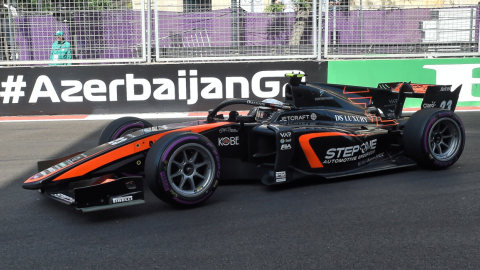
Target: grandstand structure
x=166 y=31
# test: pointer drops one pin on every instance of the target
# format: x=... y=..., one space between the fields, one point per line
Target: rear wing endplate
x=434 y=96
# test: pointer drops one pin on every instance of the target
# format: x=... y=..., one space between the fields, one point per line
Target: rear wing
x=434 y=96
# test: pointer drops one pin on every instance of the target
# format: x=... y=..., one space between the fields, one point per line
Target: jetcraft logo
x=455 y=75
x=263 y=84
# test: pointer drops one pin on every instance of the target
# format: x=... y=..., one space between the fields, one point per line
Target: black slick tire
x=120 y=127
x=182 y=169
x=434 y=138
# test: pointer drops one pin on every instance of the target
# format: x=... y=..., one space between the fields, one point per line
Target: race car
x=319 y=130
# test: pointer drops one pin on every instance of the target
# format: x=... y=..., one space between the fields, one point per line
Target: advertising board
x=143 y=88
x=454 y=71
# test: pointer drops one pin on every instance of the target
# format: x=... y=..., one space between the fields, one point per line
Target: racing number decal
x=446 y=104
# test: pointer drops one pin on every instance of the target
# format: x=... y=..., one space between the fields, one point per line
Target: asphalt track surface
x=408 y=219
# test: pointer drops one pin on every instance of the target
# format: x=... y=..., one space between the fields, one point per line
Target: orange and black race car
x=320 y=130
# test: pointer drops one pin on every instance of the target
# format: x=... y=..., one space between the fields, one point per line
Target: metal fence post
x=149 y=31
x=157 y=45
x=326 y=38
x=361 y=22
x=320 y=26
x=314 y=27
x=144 y=55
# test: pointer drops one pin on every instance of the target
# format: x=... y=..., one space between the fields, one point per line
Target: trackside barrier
x=144 y=31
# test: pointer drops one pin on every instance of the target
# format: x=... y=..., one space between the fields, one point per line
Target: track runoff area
x=84 y=117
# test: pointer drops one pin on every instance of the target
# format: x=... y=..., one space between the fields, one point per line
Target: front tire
x=434 y=138
x=182 y=169
x=121 y=127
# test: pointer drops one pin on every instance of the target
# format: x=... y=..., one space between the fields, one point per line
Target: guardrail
x=146 y=31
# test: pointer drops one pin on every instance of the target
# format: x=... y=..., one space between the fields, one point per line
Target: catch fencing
x=144 y=31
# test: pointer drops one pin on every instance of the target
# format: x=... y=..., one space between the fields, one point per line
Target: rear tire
x=434 y=138
x=121 y=127
x=182 y=169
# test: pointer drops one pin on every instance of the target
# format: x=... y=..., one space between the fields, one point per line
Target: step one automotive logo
x=226 y=141
x=263 y=84
x=351 y=153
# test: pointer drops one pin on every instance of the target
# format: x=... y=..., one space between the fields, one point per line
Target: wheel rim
x=190 y=170
x=444 y=139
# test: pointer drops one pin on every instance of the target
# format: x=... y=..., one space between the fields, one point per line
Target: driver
x=264 y=113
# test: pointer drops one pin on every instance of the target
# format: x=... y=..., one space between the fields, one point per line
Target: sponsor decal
x=257 y=103
x=163 y=176
x=122 y=199
x=227 y=129
x=298 y=123
x=77 y=158
x=286 y=147
x=393 y=101
x=350 y=153
x=313 y=116
x=173 y=193
x=59 y=166
x=285 y=140
x=63 y=197
x=323 y=98
x=363 y=162
x=446 y=88
x=285 y=134
x=117 y=141
x=429 y=105
x=351 y=118
x=281 y=176
x=225 y=141
x=297 y=117
x=217 y=158
x=446 y=104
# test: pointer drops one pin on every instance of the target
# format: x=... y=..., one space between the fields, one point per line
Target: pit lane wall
x=57 y=90
x=464 y=71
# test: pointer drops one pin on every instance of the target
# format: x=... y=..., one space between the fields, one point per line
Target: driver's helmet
x=264 y=113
